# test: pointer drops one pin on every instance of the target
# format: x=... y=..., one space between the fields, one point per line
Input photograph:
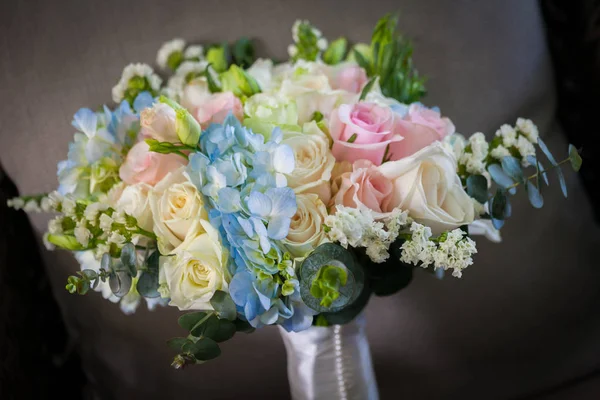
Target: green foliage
x=175 y=59
x=224 y=305
x=368 y=87
x=242 y=52
x=501 y=178
x=512 y=168
x=306 y=38
x=120 y=282
x=129 y=258
x=391 y=61
x=335 y=52
x=477 y=188
x=333 y=290
x=239 y=82
x=218 y=57
x=148 y=283
x=243 y=326
x=575 y=158
x=534 y=195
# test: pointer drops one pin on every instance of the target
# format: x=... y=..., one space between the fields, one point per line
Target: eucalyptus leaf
x=498 y=205
x=501 y=178
x=497 y=223
x=389 y=277
x=208 y=328
x=575 y=158
x=106 y=263
x=535 y=198
x=544 y=148
x=349 y=312
x=204 y=349
x=147 y=285
x=561 y=181
x=224 y=305
x=129 y=258
x=225 y=331
x=90 y=274
x=178 y=343
x=120 y=282
x=243 y=326
x=242 y=52
x=190 y=320
x=512 y=167
x=477 y=188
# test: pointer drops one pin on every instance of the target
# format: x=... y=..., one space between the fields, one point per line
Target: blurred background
x=523 y=323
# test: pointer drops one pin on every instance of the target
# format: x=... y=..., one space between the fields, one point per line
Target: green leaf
x=561 y=181
x=204 y=349
x=175 y=59
x=178 y=343
x=90 y=274
x=535 y=198
x=129 y=258
x=362 y=62
x=243 y=52
x=512 y=167
x=367 y=88
x=239 y=82
x=225 y=331
x=352 y=138
x=477 y=188
x=349 y=312
x=224 y=305
x=243 y=326
x=190 y=320
x=66 y=242
x=120 y=282
x=148 y=282
x=208 y=327
x=498 y=205
x=389 y=277
x=335 y=52
x=575 y=158
x=212 y=78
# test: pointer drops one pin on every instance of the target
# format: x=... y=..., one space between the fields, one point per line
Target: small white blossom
x=525 y=147
x=32 y=206
x=456 y=143
x=194 y=51
x=455 y=252
x=500 y=152
x=68 y=206
x=17 y=203
x=116 y=238
x=101 y=249
x=479 y=208
x=529 y=129
x=131 y=71
x=55 y=226
x=292 y=50
x=119 y=217
x=322 y=44
x=46 y=204
x=82 y=234
x=508 y=135
x=55 y=199
x=296 y=29
x=106 y=223
x=92 y=210
x=168 y=48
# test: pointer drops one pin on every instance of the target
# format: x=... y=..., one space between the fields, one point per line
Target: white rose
x=177 y=211
x=314 y=161
x=134 y=201
x=262 y=72
x=427 y=186
x=306 y=229
x=322 y=101
x=196 y=272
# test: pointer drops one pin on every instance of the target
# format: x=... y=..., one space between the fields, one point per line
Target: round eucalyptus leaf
x=190 y=320
x=208 y=328
x=204 y=349
x=147 y=285
x=224 y=305
x=120 y=283
x=512 y=167
x=535 y=197
x=129 y=258
x=349 y=312
x=107 y=262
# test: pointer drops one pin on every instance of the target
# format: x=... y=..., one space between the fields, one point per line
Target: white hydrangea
x=529 y=129
x=131 y=71
x=194 y=51
x=82 y=233
x=500 y=152
x=525 y=147
x=168 y=48
x=358 y=228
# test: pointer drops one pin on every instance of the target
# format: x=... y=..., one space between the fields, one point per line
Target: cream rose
x=134 y=201
x=177 y=211
x=314 y=161
x=196 y=272
x=306 y=229
x=427 y=186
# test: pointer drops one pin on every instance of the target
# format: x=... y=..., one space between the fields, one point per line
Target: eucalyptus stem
x=537 y=173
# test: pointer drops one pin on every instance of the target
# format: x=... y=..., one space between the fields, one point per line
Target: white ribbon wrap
x=330 y=363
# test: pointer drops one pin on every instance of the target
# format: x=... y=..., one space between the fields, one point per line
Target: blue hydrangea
x=243 y=180
x=100 y=141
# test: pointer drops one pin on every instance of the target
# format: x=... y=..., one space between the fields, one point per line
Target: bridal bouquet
x=257 y=193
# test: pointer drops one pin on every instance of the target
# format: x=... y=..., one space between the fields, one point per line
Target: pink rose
x=349 y=77
x=211 y=108
x=362 y=131
x=143 y=165
x=159 y=122
x=420 y=127
x=363 y=186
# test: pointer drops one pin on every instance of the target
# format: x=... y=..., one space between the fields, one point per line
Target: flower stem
x=537 y=173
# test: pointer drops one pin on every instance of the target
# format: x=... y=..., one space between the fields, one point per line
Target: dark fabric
x=522 y=323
